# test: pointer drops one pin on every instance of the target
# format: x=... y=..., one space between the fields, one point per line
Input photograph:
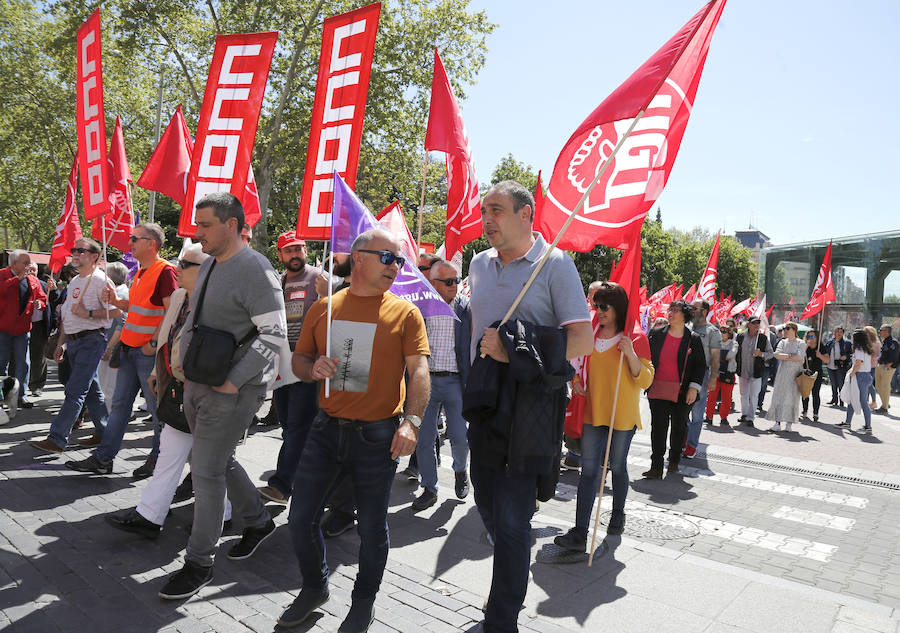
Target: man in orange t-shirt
x=366 y=422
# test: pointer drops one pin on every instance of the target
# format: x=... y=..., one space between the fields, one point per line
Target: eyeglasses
x=424 y=269
x=80 y=251
x=603 y=307
x=185 y=264
x=385 y=257
x=135 y=238
x=448 y=282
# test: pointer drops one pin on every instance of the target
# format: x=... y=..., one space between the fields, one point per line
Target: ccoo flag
x=350 y=217
x=68 y=229
x=824 y=289
x=662 y=92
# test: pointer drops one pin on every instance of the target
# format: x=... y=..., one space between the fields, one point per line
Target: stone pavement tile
x=222 y=623
x=785 y=610
x=718 y=627
x=259 y=623
x=868 y=620
x=446 y=615
x=846 y=627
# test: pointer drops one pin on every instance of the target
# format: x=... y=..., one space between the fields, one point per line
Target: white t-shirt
x=91 y=301
x=866 y=359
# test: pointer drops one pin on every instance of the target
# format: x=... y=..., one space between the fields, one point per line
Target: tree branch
x=215 y=18
x=181 y=62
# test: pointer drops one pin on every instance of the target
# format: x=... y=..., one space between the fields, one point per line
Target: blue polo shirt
x=556 y=298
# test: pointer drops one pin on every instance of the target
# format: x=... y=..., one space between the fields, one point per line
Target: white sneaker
x=3 y=417
x=11 y=395
x=775 y=428
x=787 y=427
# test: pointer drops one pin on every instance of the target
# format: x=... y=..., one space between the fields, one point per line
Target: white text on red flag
x=90 y=119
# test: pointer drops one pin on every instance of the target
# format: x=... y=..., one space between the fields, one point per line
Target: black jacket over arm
x=516 y=410
x=691 y=358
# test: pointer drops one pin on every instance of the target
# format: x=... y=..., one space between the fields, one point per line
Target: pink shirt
x=668 y=360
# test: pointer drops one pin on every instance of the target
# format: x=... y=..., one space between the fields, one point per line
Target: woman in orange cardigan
x=611 y=342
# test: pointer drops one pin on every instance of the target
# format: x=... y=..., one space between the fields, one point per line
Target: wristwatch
x=152 y=343
x=415 y=420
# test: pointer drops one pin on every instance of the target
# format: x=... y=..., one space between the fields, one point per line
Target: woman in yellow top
x=611 y=342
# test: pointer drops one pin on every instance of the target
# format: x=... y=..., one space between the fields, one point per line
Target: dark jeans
x=768 y=371
x=506 y=504
x=593 y=448
x=38 y=373
x=663 y=415
x=296 y=408
x=836 y=377
x=817 y=400
x=334 y=451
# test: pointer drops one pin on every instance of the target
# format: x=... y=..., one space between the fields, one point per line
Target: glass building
x=866 y=273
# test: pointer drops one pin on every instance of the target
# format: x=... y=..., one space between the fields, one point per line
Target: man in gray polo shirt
x=555 y=299
x=712 y=343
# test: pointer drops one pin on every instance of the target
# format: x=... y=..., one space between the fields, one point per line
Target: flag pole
x=612 y=420
x=421 y=203
x=565 y=227
x=328 y=316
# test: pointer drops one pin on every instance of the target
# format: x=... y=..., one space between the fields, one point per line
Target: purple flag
x=349 y=218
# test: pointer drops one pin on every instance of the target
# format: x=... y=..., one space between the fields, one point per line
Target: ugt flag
x=707 y=288
x=68 y=229
x=824 y=290
x=663 y=89
x=349 y=218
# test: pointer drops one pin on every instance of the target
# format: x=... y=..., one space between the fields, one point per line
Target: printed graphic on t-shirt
x=352 y=343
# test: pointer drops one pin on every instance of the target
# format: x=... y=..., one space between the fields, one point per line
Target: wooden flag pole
x=421 y=204
x=612 y=420
x=328 y=316
x=565 y=227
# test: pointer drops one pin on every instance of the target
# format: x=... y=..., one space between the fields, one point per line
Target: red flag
x=691 y=293
x=116 y=225
x=538 y=198
x=336 y=123
x=393 y=205
x=250 y=200
x=447 y=133
x=663 y=89
x=228 y=120
x=707 y=288
x=679 y=292
x=167 y=170
x=823 y=292
x=90 y=119
x=68 y=229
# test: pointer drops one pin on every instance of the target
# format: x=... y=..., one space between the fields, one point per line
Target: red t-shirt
x=668 y=360
x=166 y=284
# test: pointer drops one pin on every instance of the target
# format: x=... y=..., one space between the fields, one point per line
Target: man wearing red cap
x=295 y=403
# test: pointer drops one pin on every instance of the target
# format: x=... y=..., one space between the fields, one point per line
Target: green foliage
x=146 y=39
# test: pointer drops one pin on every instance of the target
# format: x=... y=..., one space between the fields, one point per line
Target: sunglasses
x=424 y=269
x=385 y=257
x=80 y=251
x=603 y=307
x=135 y=238
x=448 y=282
x=185 y=264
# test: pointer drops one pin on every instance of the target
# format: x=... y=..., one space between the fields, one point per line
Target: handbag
x=170 y=405
x=210 y=352
x=664 y=390
x=806 y=378
x=51 y=344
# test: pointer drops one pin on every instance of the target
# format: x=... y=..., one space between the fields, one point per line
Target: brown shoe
x=672 y=468
x=48 y=446
x=273 y=494
x=652 y=474
x=90 y=442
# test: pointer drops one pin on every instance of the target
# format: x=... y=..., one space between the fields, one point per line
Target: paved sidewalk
x=63 y=568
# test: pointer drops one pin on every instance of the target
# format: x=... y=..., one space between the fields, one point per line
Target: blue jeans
x=836 y=377
x=863 y=381
x=698 y=414
x=871 y=393
x=15 y=348
x=82 y=388
x=506 y=504
x=593 y=447
x=446 y=391
x=335 y=450
x=296 y=408
x=133 y=373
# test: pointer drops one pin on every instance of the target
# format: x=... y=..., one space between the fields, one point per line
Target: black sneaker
x=336 y=523
x=462 y=485
x=144 y=470
x=303 y=606
x=187 y=581
x=724 y=422
x=185 y=490
x=251 y=540
x=424 y=500
x=91 y=465
x=132 y=521
x=616 y=523
x=411 y=473
x=572 y=540
x=360 y=617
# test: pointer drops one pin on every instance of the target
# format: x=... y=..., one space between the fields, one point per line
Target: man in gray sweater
x=242 y=292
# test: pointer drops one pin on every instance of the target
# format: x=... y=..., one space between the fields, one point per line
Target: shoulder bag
x=209 y=355
x=806 y=378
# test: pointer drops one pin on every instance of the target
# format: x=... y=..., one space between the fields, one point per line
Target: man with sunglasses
x=448 y=364
x=147 y=301
x=365 y=423
x=85 y=317
x=294 y=403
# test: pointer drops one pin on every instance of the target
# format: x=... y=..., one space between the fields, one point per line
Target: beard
x=342 y=270
x=295 y=264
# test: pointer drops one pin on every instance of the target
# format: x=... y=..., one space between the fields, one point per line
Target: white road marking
x=818 y=519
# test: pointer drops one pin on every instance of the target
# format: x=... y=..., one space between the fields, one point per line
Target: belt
x=444 y=373
x=83 y=333
x=346 y=421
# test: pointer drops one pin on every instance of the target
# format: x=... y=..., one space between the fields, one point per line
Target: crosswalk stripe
x=818 y=519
